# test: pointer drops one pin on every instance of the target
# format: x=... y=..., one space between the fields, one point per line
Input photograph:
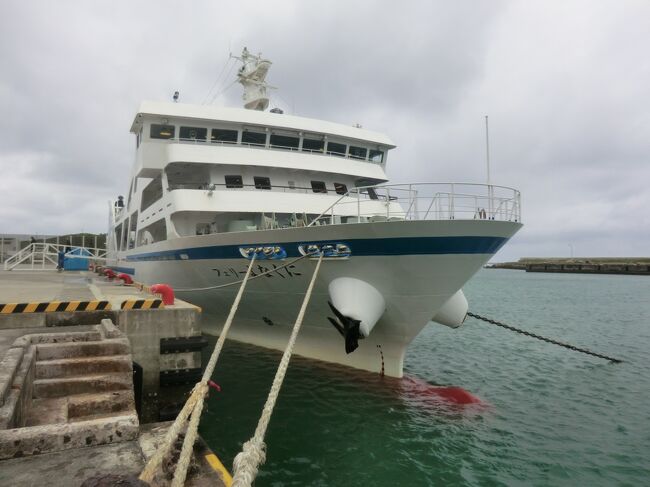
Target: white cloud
x=565 y=85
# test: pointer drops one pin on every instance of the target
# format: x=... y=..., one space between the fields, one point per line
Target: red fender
x=166 y=291
x=125 y=278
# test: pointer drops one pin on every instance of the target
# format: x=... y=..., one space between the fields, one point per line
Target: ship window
x=336 y=149
x=253 y=138
x=318 y=187
x=162 y=131
x=284 y=141
x=234 y=182
x=193 y=133
x=340 y=188
x=312 y=145
x=357 y=152
x=376 y=156
x=226 y=136
x=262 y=182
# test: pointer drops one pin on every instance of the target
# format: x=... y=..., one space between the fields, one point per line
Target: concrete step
x=41 y=439
x=47 y=411
x=78 y=366
x=83 y=407
x=53 y=351
x=68 y=386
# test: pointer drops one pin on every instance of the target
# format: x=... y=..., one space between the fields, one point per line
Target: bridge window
x=376 y=156
x=284 y=141
x=313 y=145
x=253 y=138
x=234 y=182
x=318 y=187
x=262 y=182
x=193 y=133
x=162 y=131
x=357 y=152
x=225 y=136
x=340 y=188
x=336 y=149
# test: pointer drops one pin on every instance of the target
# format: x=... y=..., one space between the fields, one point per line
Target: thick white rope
x=193 y=406
x=253 y=454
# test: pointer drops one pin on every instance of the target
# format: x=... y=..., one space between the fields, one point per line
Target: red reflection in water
x=422 y=391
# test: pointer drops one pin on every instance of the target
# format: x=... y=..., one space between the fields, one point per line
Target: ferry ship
x=213 y=187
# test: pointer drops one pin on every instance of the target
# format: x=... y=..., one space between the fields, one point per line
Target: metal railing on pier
x=40 y=256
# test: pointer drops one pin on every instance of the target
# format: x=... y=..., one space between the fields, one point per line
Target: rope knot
x=248 y=461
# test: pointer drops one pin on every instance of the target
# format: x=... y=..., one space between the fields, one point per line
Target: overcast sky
x=566 y=85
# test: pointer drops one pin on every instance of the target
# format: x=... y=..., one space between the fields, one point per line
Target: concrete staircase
x=76 y=389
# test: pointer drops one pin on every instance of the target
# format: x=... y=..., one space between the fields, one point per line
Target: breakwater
x=582 y=265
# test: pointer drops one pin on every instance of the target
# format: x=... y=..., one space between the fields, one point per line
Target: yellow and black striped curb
x=54 y=306
x=142 y=304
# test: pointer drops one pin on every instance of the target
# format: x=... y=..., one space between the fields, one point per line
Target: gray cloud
x=565 y=86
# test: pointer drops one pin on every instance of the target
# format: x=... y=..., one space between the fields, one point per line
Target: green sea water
x=551 y=416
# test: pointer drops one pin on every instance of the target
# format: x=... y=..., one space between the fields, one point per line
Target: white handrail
x=448 y=201
x=40 y=252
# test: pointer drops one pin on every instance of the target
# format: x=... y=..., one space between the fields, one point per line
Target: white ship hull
x=415 y=265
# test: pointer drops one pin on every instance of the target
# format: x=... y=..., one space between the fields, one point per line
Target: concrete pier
x=166 y=343
x=67 y=396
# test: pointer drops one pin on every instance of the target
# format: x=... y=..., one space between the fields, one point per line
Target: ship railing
x=424 y=201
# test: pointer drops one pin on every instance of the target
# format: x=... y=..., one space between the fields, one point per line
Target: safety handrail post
x=387 y=203
x=358 y=205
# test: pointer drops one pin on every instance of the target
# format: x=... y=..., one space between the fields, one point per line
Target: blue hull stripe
x=359 y=247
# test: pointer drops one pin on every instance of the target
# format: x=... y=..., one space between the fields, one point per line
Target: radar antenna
x=252 y=76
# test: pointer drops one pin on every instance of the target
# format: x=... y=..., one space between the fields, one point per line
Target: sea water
x=550 y=416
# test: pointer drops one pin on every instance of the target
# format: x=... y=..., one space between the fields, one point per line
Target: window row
x=262 y=182
x=259 y=139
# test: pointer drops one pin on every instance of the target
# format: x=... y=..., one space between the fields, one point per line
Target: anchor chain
x=544 y=339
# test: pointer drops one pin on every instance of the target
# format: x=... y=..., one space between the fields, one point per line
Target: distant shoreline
x=581 y=265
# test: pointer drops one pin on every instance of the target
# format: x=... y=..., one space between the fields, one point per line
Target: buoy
x=125 y=278
x=166 y=291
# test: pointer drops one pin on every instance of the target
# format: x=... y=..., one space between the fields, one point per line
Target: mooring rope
x=253 y=454
x=270 y=271
x=544 y=339
x=193 y=407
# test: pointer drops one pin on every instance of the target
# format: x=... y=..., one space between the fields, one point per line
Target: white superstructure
x=212 y=186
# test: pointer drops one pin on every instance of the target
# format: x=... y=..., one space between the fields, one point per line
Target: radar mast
x=252 y=76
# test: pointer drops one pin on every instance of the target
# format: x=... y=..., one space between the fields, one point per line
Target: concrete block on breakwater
x=586 y=265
